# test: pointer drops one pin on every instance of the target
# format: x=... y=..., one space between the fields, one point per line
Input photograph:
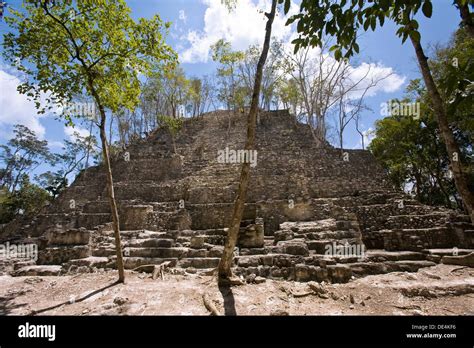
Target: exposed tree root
x=210 y=305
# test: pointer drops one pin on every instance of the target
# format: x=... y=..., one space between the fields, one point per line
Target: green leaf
x=373 y=23
x=427 y=8
x=366 y=24
x=287 y=6
x=356 y=47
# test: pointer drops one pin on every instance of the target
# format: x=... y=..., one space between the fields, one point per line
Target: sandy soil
x=439 y=290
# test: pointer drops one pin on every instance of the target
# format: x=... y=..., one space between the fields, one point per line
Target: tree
x=317 y=78
x=325 y=84
x=290 y=96
x=273 y=73
x=27 y=200
x=351 y=101
x=70 y=162
x=466 y=15
x=21 y=155
x=86 y=47
x=173 y=125
x=413 y=153
x=324 y=17
x=224 y=268
x=175 y=87
x=229 y=60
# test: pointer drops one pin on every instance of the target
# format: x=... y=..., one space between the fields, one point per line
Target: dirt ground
x=438 y=290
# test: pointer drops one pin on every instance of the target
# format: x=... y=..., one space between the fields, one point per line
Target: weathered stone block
x=463 y=260
x=197 y=242
x=197 y=253
x=216 y=251
x=339 y=273
x=293 y=247
x=135 y=217
x=59 y=255
x=252 y=236
x=70 y=237
x=283 y=235
x=199 y=263
x=151 y=243
x=248 y=261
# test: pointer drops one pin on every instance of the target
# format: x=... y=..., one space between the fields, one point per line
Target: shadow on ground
x=95 y=292
x=229 y=301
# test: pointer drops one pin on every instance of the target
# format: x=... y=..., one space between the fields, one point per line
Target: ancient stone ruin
x=312 y=213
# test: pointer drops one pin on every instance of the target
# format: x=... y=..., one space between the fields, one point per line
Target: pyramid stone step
x=69 y=237
x=384 y=255
x=461 y=260
x=372 y=268
x=419 y=239
x=42 y=270
x=103 y=252
x=91 y=261
x=293 y=247
x=417 y=221
x=448 y=251
x=309 y=226
x=156 y=252
x=150 y=243
x=134 y=262
x=56 y=255
x=205 y=262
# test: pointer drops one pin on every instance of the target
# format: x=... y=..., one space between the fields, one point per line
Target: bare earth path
x=438 y=290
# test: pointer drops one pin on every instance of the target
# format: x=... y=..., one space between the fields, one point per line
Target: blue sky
x=199 y=23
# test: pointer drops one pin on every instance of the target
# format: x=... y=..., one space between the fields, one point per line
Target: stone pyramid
x=312 y=213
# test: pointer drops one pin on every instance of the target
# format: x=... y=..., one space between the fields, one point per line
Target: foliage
x=21 y=155
x=171 y=123
x=74 y=158
x=342 y=20
x=69 y=48
x=228 y=82
x=27 y=201
x=413 y=153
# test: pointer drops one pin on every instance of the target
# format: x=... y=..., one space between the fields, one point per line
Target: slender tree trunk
x=225 y=264
x=466 y=18
x=110 y=188
x=110 y=182
x=452 y=147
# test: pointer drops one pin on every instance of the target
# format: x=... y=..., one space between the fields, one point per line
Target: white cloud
x=245 y=26
x=369 y=135
x=242 y=27
x=15 y=107
x=182 y=16
x=72 y=131
x=377 y=76
x=55 y=144
x=387 y=79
